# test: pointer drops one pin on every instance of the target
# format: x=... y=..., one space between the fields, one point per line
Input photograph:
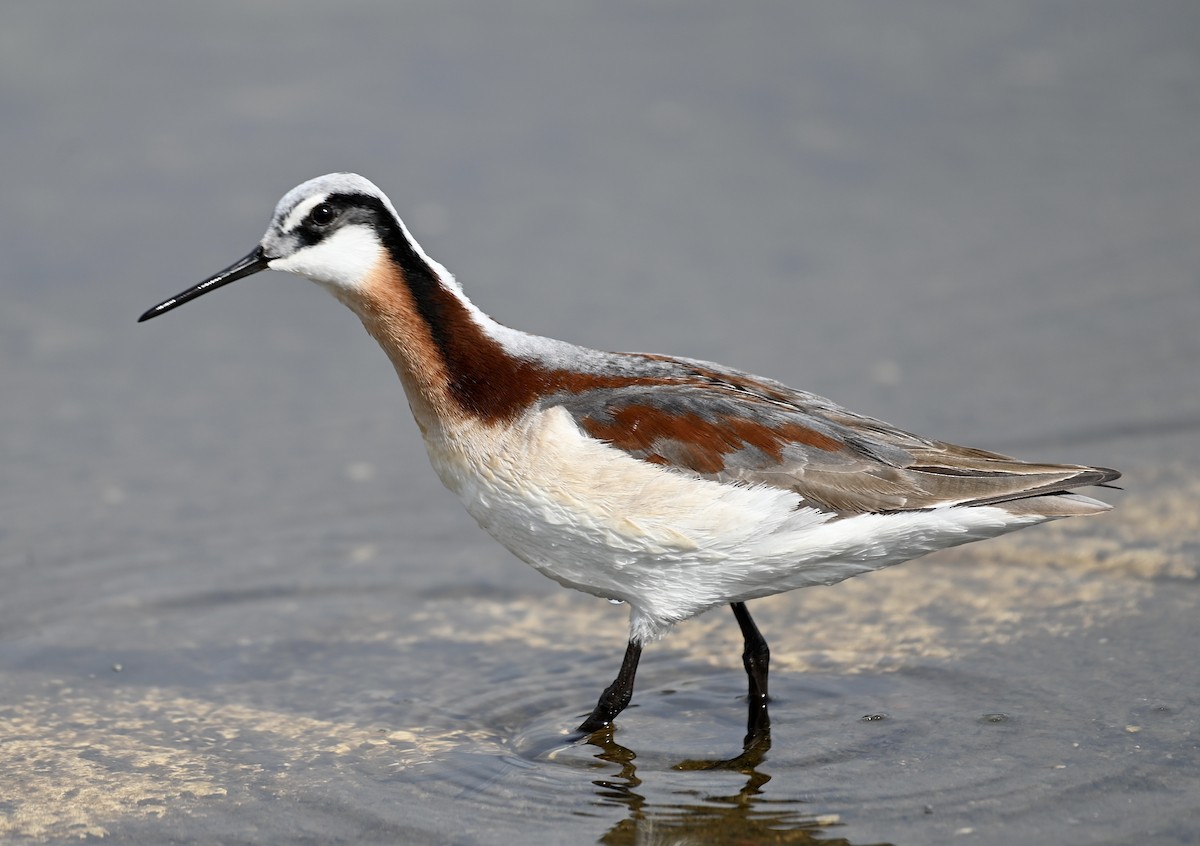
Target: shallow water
x=236 y=605
x=1009 y=693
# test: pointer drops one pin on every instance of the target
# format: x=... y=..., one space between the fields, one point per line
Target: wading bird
x=670 y=484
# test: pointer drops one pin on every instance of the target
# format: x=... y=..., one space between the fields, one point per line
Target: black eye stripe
x=337 y=211
x=322 y=214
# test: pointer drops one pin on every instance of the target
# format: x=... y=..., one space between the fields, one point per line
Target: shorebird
x=670 y=484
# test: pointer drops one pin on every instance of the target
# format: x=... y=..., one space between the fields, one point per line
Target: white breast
x=595 y=519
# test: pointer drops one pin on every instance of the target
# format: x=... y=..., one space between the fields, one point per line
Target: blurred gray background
x=236 y=604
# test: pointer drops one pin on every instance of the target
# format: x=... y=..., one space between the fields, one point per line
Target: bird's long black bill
x=243 y=267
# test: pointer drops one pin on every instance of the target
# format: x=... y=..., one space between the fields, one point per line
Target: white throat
x=340 y=262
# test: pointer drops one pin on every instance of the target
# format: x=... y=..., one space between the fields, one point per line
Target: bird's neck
x=446 y=351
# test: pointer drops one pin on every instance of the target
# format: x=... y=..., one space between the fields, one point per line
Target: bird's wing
x=722 y=424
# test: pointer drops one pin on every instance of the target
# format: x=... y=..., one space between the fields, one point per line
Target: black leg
x=756 y=657
x=617 y=695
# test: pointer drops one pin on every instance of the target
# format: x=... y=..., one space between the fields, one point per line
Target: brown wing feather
x=727 y=425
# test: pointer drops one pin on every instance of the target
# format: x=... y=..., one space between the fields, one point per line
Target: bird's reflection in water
x=743 y=817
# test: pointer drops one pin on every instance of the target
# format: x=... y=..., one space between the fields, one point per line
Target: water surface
x=236 y=605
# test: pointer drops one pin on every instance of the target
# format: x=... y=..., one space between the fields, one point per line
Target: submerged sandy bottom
x=1008 y=688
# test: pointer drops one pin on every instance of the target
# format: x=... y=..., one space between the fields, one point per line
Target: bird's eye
x=322 y=215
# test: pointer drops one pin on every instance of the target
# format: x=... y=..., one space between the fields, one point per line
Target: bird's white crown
x=328 y=230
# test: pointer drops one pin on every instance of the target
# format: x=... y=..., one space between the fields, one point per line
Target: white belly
x=672 y=546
